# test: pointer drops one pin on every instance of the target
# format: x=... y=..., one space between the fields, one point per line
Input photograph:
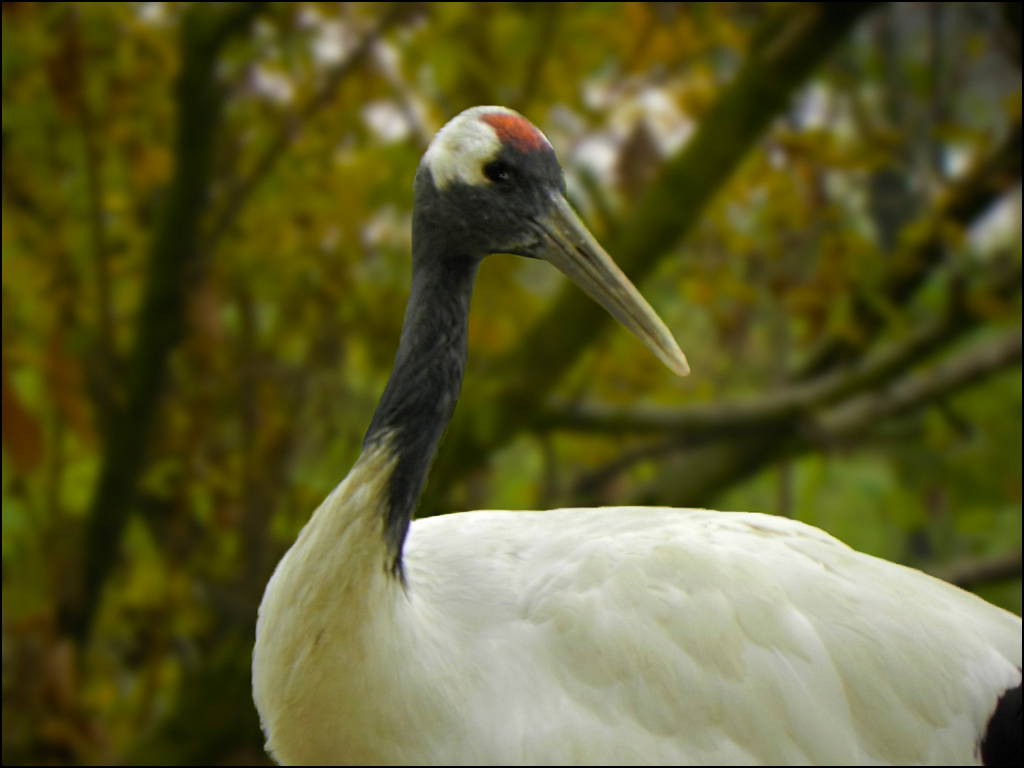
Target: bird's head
x=490 y=183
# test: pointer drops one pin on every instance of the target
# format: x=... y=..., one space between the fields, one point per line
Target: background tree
x=205 y=261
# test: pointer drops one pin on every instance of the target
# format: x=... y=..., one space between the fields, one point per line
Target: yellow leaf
x=22 y=436
x=66 y=386
x=153 y=166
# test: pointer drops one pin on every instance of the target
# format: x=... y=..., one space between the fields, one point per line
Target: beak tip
x=569 y=246
x=673 y=357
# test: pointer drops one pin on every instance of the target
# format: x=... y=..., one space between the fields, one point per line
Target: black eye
x=498 y=171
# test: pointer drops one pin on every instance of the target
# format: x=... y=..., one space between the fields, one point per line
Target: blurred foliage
x=297 y=283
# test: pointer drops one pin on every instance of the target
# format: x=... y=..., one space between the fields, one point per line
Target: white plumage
x=618 y=635
x=611 y=635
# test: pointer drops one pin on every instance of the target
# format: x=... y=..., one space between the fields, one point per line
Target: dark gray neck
x=419 y=399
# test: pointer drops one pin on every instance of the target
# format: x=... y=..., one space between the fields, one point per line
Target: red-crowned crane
x=593 y=636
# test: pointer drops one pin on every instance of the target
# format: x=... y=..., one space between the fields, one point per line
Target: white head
x=471 y=139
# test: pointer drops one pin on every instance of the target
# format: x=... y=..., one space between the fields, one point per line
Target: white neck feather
x=329 y=673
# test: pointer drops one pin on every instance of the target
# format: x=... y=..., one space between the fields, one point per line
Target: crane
x=593 y=636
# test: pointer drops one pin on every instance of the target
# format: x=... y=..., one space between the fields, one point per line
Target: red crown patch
x=517 y=132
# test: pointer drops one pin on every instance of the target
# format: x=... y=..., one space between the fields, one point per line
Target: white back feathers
x=467 y=142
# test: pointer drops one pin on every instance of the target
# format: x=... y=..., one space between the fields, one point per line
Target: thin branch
x=978 y=572
x=104 y=370
x=589 y=483
x=292 y=126
x=921 y=390
x=770 y=428
x=696 y=476
x=852 y=422
x=699 y=424
x=1012 y=19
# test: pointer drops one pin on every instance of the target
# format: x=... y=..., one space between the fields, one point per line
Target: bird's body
x=626 y=635
x=593 y=636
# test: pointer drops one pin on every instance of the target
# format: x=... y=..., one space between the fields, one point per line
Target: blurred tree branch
x=701 y=474
x=1012 y=17
x=800 y=416
x=173 y=263
x=789 y=49
x=709 y=469
x=104 y=370
x=977 y=572
x=919 y=391
x=911 y=395
x=716 y=421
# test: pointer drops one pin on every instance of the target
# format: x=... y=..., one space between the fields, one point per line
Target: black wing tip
x=1001 y=744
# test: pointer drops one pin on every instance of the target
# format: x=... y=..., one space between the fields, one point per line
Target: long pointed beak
x=567 y=243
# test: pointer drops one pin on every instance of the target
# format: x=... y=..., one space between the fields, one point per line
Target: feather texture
x=625 y=635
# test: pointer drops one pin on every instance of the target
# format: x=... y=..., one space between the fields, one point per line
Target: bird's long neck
x=333 y=671
x=419 y=399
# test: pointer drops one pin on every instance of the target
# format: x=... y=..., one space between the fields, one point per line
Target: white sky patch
x=669 y=126
x=626 y=105
x=387 y=58
x=956 y=160
x=386 y=120
x=273 y=86
x=777 y=157
x=152 y=13
x=308 y=17
x=597 y=153
x=814 y=109
x=598 y=93
x=1001 y=224
x=333 y=41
